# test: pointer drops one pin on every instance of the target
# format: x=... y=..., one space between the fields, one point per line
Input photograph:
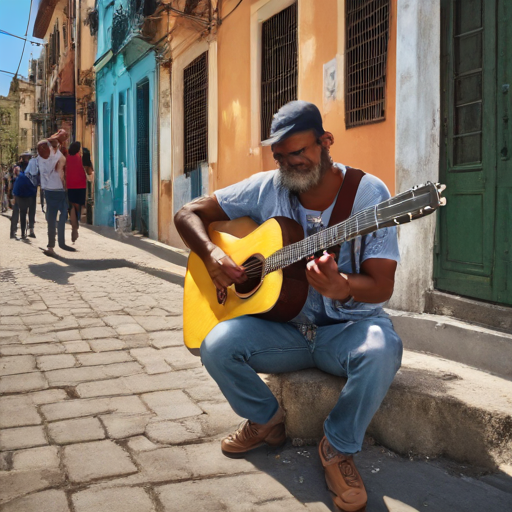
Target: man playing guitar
x=342 y=328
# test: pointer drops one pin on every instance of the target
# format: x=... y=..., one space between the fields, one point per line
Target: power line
x=24 y=42
x=231 y=12
x=19 y=37
x=8 y=72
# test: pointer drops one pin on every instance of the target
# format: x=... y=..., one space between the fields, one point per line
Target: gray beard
x=298 y=183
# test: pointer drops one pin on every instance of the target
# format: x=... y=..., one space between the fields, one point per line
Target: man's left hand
x=323 y=275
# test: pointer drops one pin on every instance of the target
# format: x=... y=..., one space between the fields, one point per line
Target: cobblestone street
x=103 y=408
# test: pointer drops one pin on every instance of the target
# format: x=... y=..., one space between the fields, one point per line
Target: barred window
x=106 y=141
x=279 y=65
x=143 y=156
x=367 y=31
x=195 y=108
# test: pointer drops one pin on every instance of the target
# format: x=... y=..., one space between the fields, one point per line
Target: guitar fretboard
x=404 y=207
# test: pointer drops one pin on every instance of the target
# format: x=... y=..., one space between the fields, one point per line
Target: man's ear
x=327 y=140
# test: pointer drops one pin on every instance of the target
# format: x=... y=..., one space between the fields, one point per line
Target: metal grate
x=279 y=65
x=195 y=103
x=143 y=159
x=91 y=113
x=367 y=33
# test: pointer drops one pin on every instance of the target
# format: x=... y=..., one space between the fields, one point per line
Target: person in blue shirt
x=342 y=328
x=25 y=192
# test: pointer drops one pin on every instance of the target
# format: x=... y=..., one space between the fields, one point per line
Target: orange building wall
x=233 y=60
x=371 y=147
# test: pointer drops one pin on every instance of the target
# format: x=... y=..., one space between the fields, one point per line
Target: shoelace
x=245 y=431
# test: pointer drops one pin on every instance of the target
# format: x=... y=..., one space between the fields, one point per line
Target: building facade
x=9 y=126
x=126 y=144
x=412 y=91
x=175 y=97
x=16 y=126
x=55 y=24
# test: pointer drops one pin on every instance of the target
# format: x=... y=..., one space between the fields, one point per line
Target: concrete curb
x=456 y=340
x=433 y=408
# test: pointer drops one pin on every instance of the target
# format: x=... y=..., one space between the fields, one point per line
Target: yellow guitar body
x=240 y=239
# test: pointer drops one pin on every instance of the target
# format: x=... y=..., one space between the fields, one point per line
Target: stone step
x=481 y=347
x=435 y=407
x=494 y=316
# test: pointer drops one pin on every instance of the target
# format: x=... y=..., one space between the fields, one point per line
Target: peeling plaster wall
x=165 y=217
x=417 y=140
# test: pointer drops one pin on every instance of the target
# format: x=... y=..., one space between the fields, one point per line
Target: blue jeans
x=56 y=201
x=368 y=352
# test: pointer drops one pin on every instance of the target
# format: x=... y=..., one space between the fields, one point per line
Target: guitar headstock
x=419 y=201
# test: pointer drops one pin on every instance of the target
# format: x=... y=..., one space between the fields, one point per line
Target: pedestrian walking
x=51 y=163
x=13 y=176
x=26 y=200
x=76 y=180
x=5 y=190
x=25 y=192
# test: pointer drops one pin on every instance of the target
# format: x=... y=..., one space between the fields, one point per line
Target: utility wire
x=18 y=37
x=24 y=42
x=231 y=12
x=189 y=16
x=8 y=72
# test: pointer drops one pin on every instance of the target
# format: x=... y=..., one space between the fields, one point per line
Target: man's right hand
x=223 y=270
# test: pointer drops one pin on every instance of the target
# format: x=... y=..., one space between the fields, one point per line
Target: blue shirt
x=260 y=197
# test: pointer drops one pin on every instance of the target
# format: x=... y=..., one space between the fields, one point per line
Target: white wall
x=417 y=140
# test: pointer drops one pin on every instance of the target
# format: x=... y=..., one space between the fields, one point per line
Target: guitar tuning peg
x=442 y=201
x=441 y=187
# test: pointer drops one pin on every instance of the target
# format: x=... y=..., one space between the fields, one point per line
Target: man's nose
x=294 y=160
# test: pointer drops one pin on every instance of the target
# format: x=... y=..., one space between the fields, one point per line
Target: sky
x=13 y=18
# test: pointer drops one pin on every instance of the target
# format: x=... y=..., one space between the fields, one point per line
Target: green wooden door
x=474 y=240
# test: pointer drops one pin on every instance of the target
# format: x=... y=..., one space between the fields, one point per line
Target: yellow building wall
x=27 y=107
x=85 y=52
x=370 y=147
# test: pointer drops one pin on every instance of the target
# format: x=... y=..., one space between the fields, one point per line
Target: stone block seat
x=435 y=407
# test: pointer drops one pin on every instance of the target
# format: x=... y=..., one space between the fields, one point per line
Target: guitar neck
x=415 y=203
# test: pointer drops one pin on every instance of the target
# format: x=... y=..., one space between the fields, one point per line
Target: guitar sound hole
x=254 y=267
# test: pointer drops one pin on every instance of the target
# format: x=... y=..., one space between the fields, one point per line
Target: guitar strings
x=291 y=253
x=326 y=238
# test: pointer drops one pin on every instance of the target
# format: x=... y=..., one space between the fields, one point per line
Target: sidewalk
x=103 y=409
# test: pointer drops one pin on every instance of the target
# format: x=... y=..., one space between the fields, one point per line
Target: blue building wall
x=117 y=78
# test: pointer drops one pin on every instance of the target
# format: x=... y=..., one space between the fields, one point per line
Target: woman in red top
x=76 y=182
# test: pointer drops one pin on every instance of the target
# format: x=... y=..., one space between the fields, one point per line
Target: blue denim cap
x=295 y=116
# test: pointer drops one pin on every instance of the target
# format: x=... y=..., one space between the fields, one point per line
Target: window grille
x=143 y=156
x=91 y=113
x=195 y=108
x=367 y=30
x=279 y=65
x=106 y=141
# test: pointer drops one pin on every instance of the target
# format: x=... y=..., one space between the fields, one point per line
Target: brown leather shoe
x=343 y=479
x=250 y=435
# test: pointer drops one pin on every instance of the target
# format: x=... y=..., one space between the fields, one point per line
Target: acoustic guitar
x=274 y=256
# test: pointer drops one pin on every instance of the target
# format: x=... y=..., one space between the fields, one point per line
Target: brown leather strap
x=343 y=207
x=346 y=196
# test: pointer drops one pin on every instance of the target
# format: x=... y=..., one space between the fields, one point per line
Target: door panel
x=467 y=153
x=472 y=252
x=503 y=270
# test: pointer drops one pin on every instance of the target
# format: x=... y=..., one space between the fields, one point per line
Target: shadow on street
x=52 y=272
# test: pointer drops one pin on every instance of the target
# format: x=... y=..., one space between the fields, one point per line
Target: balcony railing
x=127 y=21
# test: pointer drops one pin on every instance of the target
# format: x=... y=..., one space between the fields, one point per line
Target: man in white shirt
x=51 y=163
